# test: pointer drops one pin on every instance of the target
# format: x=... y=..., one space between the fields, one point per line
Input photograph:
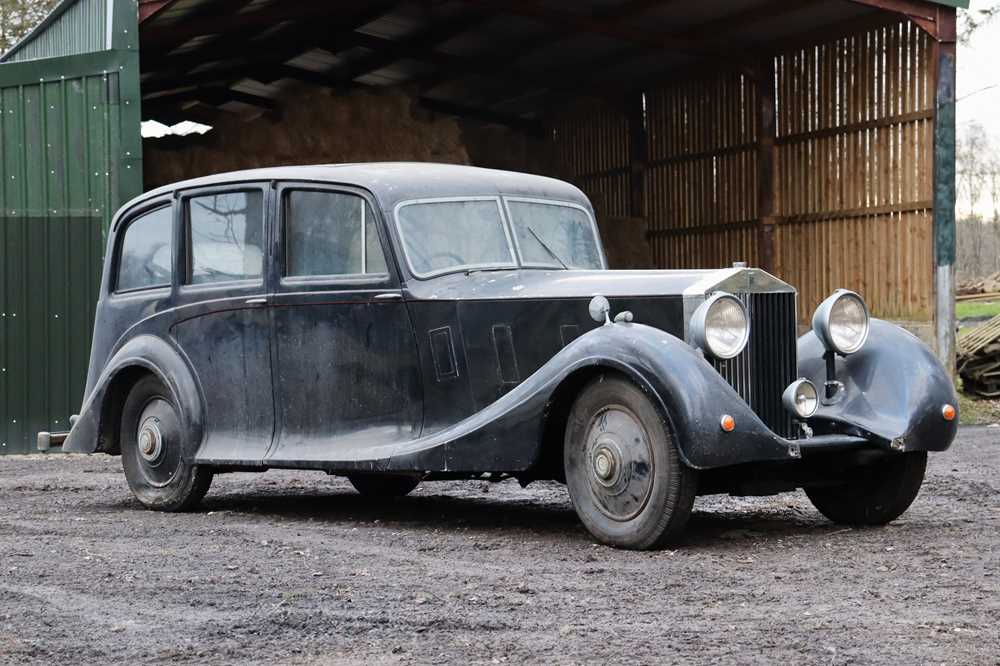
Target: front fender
x=894 y=388
x=92 y=433
x=505 y=436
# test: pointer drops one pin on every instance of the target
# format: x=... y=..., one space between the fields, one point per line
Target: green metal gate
x=70 y=155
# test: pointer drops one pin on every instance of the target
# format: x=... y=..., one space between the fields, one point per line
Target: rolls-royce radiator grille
x=768 y=364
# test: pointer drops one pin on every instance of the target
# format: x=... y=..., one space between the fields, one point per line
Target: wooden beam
x=739 y=20
x=214 y=96
x=526 y=125
x=587 y=24
x=911 y=8
x=765 y=119
x=157 y=37
x=638 y=154
x=438 y=31
x=279 y=45
x=150 y=8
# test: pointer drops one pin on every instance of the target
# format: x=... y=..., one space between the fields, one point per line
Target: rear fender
x=97 y=429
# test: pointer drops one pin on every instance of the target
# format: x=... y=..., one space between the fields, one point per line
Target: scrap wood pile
x=979 y=359
x=977 y=289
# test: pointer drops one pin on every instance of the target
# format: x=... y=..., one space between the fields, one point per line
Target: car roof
x=393 y=182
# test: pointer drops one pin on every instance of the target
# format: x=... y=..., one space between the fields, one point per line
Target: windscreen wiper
x=548 y=249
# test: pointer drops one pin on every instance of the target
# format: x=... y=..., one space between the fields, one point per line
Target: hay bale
x=316 y=126
x=625 y=242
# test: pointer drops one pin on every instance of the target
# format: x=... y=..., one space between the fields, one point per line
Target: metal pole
x=944 y=188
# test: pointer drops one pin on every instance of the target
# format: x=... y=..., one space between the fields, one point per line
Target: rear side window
x=146 y=251
x=330 y=233
x=225 y=237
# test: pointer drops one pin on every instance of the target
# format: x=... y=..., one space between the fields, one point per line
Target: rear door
x=347 y=378
x=222 y=322
x=71 y=155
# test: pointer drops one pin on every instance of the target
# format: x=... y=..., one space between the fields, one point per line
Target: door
x=71 y=155
x=222 y=322
x=347 y=379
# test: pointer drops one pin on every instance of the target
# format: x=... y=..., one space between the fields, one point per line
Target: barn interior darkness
x=796 y=136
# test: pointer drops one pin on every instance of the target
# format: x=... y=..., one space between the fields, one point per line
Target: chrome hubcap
x=150 y=439
x=619 y=462
x=606 y=464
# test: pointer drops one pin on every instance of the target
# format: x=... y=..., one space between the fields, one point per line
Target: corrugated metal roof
x=72 y=27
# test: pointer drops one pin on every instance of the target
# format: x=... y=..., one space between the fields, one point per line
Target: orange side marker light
x=728 y=423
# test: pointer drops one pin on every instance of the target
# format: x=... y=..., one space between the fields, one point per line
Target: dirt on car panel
x=295 y=567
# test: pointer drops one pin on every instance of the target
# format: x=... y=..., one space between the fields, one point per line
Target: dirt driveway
x=293 y=567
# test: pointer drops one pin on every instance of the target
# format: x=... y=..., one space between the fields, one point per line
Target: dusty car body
x=405 y=322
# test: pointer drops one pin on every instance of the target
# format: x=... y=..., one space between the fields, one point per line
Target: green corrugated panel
x=71 y=154
x=73 y=26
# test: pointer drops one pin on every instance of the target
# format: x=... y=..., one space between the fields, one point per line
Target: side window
x=330 y=233
x=225 y=237
x=146 y=251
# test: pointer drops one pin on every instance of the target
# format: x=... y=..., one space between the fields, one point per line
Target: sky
x=978 y=69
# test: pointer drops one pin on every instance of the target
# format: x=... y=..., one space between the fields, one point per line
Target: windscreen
x=441 y=236
x=553 y=234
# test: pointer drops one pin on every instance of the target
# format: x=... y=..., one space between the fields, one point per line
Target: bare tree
x=978 y=203
x=17 y=17
x=970 y=20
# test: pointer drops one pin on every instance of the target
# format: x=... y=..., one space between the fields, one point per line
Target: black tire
x=156 y=469
x=383 y=485
x=879 y=494
x=625 y=477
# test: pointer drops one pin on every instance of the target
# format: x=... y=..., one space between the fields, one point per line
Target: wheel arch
x=118 y=388
x=550 y=461
x=97 y=428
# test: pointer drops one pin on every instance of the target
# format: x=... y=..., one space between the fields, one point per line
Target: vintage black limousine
x=397 y=323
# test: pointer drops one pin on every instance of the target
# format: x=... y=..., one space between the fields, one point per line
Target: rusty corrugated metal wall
x=852 y=168
x=69 y=131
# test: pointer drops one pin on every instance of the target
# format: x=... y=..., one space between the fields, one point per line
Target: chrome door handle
x=389 y=296
x=258 y=300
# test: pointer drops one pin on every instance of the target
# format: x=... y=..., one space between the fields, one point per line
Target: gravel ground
x=294 y=567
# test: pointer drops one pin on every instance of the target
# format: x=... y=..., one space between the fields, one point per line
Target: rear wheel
x=624 y=474
x=879 y=494
x=152 y=445
x=383 y=485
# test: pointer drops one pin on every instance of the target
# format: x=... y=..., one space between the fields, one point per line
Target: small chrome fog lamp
x=720 y=326
x=841 y=322
x=801 y=398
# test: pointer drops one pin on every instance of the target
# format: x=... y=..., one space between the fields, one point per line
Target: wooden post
x=765 y=163
x=638 y=154
x=944 y=187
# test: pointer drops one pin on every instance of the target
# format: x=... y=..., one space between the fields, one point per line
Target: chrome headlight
x=801 y=398
x=720 y=326
x=841 y=322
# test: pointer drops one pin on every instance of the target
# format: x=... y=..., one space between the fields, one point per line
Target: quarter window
x=330 y=233
x=226 y=237
x=146 y=251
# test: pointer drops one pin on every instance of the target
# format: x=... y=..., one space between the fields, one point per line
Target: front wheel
x=152 y=445
x=623 y=471
x=879 y=494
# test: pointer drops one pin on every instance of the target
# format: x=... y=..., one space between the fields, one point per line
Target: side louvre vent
x=769 y=363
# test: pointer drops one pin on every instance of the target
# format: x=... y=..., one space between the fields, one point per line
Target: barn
x=812 y=138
